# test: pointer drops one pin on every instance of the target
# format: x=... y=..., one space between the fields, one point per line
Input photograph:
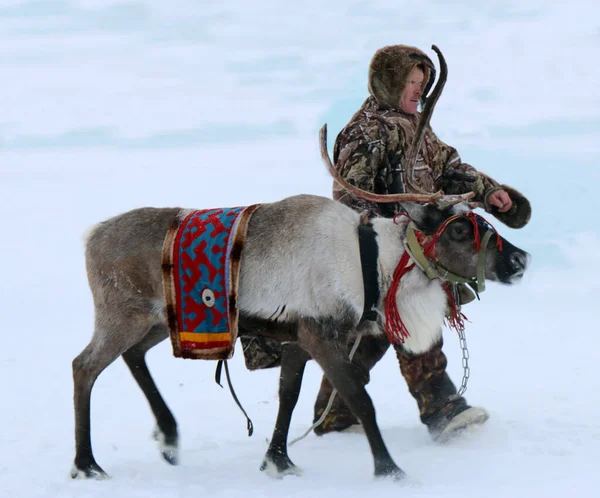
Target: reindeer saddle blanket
x=201 y=266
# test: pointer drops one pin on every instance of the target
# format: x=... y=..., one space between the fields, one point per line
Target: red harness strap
x=395 y=328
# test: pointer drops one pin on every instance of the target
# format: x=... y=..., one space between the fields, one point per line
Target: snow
x=108 y=106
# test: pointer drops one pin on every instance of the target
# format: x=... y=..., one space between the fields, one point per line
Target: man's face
x=413 y=91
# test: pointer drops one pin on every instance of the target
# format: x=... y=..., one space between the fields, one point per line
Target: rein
x=420 y=248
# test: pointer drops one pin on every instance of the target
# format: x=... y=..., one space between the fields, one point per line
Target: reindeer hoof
x=279 y=466
x=168 y=446
x=171 y=455
x=92 y=471
x=397 y=475
x=390 y=471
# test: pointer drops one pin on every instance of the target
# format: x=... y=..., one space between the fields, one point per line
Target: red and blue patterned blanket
x=201 y=262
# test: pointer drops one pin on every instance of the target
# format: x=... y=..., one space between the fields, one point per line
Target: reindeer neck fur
x=421 y=302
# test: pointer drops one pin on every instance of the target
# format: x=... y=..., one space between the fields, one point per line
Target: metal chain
x=465 y=361
x=463 y=346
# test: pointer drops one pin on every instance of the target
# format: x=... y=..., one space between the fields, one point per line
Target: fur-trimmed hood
x=389 y=71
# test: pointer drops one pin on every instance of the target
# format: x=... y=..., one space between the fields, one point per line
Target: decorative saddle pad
x=201 y=265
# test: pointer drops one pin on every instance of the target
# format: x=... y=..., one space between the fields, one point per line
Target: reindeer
x=302 y=255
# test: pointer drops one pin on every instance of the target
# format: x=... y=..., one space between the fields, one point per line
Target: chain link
x=463 y=346
x=465 y=362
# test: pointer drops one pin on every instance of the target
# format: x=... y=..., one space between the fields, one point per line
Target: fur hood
x=389 y=71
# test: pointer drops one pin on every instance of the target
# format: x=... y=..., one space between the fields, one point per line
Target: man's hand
x=501 y=200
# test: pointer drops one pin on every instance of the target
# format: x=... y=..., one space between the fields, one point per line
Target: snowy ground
x=108 y=106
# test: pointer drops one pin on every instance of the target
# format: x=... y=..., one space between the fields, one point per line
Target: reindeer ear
x=416 y=212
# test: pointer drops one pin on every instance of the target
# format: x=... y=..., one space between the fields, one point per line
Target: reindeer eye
x=460 y=231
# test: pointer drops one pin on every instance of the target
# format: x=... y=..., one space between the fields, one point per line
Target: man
x=370 y=153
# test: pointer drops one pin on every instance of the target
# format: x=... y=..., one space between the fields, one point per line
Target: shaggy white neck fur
x=421 y=302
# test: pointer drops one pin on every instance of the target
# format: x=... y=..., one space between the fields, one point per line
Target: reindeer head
x=456 y=244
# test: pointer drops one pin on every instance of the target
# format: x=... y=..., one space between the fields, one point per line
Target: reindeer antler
x=430 y=102
x=438 y=197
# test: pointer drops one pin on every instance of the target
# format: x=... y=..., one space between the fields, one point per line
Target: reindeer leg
x=328 y=349
x=107 y=344
x=277 y=463
x=166 y=429
x=85 y=373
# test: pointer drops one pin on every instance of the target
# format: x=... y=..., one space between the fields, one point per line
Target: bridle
x=420 y=248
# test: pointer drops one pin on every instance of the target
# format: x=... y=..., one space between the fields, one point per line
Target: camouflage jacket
x=375 y=142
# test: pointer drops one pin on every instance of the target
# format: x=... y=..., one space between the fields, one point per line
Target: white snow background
x=107 y=106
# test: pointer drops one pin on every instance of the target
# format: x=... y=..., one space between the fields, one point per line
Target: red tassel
x=456 y=320
x=394 y=326
x=476 y=237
